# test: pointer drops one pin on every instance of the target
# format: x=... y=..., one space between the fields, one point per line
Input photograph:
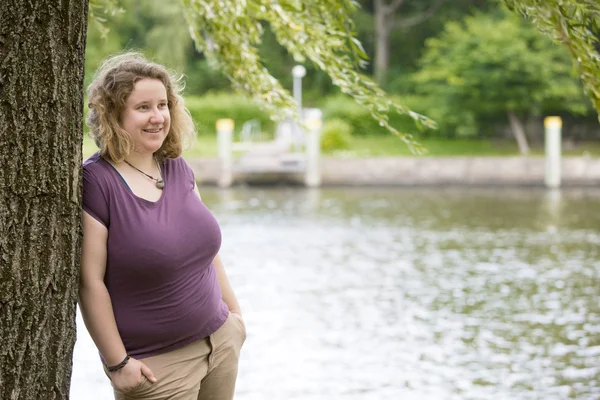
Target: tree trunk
x=382 y=42
x=42 y=51
x=386 y=22
x=518 y=132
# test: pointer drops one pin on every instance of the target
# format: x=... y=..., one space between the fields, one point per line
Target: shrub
x=361 y=121
x=474 y=83
x=336 y=135
x=206 y=110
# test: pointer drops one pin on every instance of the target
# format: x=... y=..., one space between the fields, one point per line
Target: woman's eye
x=143 y=107
x=163 y=105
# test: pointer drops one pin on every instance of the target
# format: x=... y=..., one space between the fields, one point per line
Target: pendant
x=160 y=184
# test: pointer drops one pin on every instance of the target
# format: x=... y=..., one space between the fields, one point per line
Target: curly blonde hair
x=107 y=95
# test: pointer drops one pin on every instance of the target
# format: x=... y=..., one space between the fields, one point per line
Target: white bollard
x=553 y=127
x=313 y=122
x=224 y=141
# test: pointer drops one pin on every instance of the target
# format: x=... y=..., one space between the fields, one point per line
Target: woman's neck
x=145 y=162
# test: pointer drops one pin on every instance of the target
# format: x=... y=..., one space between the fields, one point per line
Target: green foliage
x=99 y=12
x=490 y=64
x=168 y=39
x=336 y=135
x=574 y=23
x=343 y=108
x=252 y=42
x=279 y=62
x=206 y=110
x=201 y=78
x=228 y=32
x=157 y=28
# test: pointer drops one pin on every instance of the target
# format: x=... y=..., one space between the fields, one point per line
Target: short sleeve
x=95 y=201
x=189 y=172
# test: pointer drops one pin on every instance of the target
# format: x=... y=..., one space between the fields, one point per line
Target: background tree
x=576 y=25
x=393 y=33
x=495 y=64
x=321 y=32
x=388 y=18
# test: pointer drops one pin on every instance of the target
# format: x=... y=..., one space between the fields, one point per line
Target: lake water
x=446 y=293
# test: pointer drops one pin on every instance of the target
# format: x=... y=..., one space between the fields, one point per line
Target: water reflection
x=415 y=293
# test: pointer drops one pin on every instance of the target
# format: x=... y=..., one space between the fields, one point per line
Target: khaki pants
x=203 y=370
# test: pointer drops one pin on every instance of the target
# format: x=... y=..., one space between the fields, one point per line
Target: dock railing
x=295 y=149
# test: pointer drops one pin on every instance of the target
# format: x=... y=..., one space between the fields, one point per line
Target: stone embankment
x=415 y=171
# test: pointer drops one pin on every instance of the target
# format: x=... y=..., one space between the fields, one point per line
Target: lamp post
x=298 y=72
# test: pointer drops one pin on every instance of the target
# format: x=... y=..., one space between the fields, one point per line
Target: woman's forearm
x=226 y=291
x=96 y=310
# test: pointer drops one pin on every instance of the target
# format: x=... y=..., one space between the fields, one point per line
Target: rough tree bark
x=42 y=50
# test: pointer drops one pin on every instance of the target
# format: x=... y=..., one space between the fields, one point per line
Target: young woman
x=154 y=295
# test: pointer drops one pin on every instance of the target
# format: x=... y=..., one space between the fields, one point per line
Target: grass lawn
x=204 y=146
x=390 y=146
x=385 y=146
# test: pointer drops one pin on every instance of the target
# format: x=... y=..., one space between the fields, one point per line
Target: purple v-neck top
x=159 y=270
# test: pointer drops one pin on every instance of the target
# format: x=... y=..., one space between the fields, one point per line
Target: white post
x=298 y=72
x=224 y=139
x=553 y=126
x=313 y=122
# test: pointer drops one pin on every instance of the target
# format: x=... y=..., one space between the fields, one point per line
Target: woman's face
x=146 y=116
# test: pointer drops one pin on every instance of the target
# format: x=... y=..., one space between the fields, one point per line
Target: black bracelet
x=120 y=365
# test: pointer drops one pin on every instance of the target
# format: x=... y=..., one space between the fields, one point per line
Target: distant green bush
x=206 y=110
x=362 y=123
x=336 y=135
x=475 y=86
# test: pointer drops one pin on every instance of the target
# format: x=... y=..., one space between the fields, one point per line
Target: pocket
x=240 y=325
